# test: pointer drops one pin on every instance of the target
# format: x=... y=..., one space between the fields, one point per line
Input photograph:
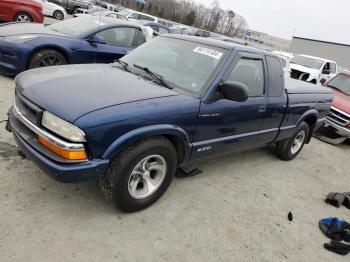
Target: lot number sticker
x=207 y=51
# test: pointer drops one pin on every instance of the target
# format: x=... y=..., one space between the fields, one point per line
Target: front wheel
x=140 y=175
x=46 y=57
x=23 y=18
x=291 y=147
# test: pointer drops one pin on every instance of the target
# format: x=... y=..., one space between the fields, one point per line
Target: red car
x=338 y=119
x=21 y=11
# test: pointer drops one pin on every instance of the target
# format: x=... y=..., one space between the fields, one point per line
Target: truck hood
x=26 y=28
x=341 y=101
x=74 y=90
x=305 y=69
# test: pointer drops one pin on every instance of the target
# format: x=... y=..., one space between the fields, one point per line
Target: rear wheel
x=46 y=57
x=291 y=147
x=140 y=175
x=58 y=15
x=23 y=17
x=75 y=10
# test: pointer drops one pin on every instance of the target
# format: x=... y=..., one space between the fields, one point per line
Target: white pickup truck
x=312 y=69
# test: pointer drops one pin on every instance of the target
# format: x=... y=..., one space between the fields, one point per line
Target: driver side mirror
x=97 y=40
x=234 y=91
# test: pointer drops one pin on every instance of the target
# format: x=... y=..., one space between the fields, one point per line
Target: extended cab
x=312 y=69
x=174 y=99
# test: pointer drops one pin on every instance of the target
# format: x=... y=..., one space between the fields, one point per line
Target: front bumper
x=13 y=57
x=338 y=129
x=69 y=172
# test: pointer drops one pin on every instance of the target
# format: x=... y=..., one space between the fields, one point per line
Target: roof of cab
x=218 y=43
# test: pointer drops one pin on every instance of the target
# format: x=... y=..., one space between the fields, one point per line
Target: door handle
x=262 y=109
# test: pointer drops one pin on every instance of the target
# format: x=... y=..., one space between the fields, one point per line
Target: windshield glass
x=75 y=27
x=341 y=82
x=184 y=64
x=306 y=61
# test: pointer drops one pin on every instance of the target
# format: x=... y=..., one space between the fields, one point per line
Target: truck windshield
x=75 y=27
x=184 y=64
x=306 y=61
x=341 y=82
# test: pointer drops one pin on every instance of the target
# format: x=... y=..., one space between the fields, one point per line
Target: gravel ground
x=235 y=211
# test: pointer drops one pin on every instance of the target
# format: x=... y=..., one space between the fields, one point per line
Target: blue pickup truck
x=131 y=124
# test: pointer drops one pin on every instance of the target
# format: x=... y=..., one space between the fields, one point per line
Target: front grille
x=338 y=117
x=32 y=112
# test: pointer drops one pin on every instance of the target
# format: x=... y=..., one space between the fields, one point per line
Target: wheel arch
x=310 y=117
x=176 y=135
x=60 y=49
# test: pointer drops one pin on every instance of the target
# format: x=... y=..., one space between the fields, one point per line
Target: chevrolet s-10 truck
x=177 y=98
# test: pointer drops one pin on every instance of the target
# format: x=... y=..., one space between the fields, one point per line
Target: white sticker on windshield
x=207 y=51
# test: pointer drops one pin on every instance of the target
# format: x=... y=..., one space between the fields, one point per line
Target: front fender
x=141 y=133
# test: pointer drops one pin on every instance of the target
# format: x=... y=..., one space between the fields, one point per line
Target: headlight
x=19 y=39
x=62 y=128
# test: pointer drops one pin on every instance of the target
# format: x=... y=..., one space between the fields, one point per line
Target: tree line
x=212 y=18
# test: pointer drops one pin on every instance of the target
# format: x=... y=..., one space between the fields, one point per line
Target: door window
x=134 y=16
x=118 y=36
x=333 y=68
x=249 y=71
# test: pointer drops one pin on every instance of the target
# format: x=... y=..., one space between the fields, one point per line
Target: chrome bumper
x=340 y=130
x=40 y=132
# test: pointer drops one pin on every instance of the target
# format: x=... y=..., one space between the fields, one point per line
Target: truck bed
x=301 y=87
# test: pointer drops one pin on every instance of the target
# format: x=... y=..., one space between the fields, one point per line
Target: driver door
x=226 y=125
x=118 y=42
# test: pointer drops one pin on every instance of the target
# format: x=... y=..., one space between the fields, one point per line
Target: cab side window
x=249 y=71
x=275 y=74
x=118 y=36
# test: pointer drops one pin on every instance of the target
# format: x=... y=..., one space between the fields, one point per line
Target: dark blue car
x=173 y=100
x=74 y=41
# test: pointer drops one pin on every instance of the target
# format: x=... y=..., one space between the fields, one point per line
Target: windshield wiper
x=155 y=76
x=125 y=65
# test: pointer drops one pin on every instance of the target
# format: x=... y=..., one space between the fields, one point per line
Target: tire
x=126 y=183
x=59 y=15
x=46 y=57
x=288 y=149
x=23 y=17
x=74 y=10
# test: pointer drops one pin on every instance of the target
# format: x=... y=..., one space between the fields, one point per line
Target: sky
x=327 y=20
